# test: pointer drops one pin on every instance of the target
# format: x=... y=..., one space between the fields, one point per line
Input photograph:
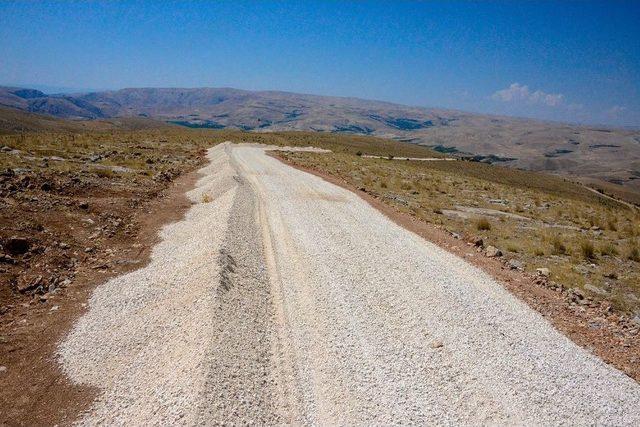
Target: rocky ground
x=72 y=215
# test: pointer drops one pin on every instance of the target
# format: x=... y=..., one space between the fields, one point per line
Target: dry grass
x=587 y=250
x=483 y=225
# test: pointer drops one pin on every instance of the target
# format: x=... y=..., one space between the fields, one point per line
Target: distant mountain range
x=603 y=154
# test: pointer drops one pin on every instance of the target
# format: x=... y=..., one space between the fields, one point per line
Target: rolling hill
x=596 y=154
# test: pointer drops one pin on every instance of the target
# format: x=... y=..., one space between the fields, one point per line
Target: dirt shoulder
x=593 y=326
x=34 y=390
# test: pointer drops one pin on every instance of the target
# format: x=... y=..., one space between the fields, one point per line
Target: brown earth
x=35 y=391
x=594 y=326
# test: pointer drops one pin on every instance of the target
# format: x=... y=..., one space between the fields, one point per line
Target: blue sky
x=569 y=61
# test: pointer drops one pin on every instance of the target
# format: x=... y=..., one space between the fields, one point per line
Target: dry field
x=69 y=197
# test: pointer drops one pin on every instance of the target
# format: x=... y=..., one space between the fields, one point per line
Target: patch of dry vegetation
x=73 y=196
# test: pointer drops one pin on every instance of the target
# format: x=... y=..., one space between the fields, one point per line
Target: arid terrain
x=607 y=158
x=527 y=258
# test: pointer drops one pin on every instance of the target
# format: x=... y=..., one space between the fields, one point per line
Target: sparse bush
x=559 y=247
x=390 y=157
x=483 y=224
x=634 y=254
x=512 y=248
x=206 y=198
x=609 y=249
x=405 y=186
x=105 y=173
x=359 y=153
x=587 y=250
x=383 y=184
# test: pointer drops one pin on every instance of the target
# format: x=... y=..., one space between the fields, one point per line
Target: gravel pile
x=146 y=339
x=387 y=328
x=285 y=299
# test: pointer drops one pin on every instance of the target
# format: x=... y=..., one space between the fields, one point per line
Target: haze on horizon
x=571 y=61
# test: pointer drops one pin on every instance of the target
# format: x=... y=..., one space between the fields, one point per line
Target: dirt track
x=281 y=298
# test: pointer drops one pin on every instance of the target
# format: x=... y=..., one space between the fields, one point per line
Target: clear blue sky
x=577 y=61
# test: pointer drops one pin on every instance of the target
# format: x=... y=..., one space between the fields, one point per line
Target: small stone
x=3 y=368
x=4 y=258
x=595 y=289
x=63 y=245
x=476 y=241
x=514 y=264
x=84 y=205
x=25 y=285
x=437 y=344
x=55 y=308
x=543 y=271
x=493 y=252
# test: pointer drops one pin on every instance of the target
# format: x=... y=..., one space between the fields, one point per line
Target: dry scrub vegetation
x=69 y=199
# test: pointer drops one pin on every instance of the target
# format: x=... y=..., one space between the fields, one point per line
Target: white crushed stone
x=387 y=328
x=145 y=337
x=329 y=314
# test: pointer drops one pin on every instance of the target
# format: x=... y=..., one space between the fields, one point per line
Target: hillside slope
x=14 y=120
x=600 y=154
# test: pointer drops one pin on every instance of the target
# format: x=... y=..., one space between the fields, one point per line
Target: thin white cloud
x=518 y=93
x=616 y=111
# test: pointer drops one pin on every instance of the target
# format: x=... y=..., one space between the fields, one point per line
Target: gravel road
x=283 y=299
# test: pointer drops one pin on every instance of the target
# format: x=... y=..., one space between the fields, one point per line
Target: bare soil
x=34 y=390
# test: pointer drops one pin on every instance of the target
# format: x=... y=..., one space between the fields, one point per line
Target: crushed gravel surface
x=286 y=299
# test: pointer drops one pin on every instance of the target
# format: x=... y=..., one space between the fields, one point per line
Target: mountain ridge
x=593 y=152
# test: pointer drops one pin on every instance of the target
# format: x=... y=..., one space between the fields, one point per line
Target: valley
x=606 y=158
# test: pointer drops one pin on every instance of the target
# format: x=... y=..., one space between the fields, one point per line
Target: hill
x=13 y=120
x=596 y=154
